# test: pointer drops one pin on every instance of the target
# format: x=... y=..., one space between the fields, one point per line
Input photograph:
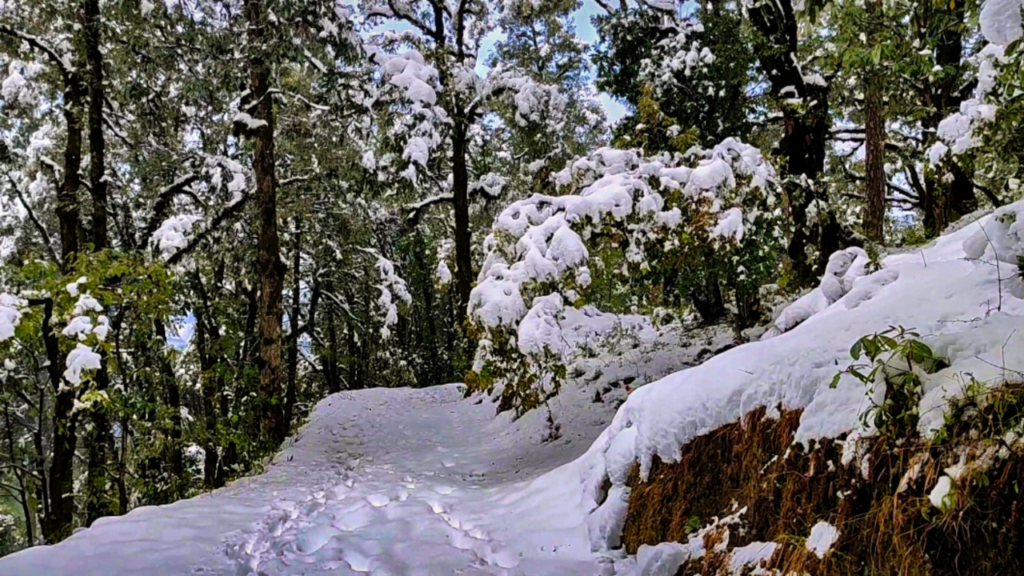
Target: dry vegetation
x=887 y=523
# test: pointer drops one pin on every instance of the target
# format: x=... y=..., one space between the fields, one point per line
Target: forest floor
x=380 y=481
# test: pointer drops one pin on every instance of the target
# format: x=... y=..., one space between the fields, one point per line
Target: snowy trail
x=380 y=481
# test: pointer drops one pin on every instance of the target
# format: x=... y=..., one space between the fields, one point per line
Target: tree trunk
x=98 y=500
x=122 y=469
x=270 y=268
x=707 y=300
x=293 y=337
x=175 y=454
x=804 y=137
x=874 y=162
x=57 y=525
x=945 y=198
x=331 y=359
x=209 y=398
x=460 y=195
x=97 y=146
x=42 y=491
x=67 y=199
x=100 y=438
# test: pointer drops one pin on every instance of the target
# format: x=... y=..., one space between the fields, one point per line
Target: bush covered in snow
x=627 y=234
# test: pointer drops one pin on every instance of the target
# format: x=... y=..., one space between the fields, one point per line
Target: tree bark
x=175 y=454
x=98 y=500
x=804 y=138
x=58 y=523
x=97 y=145
x=209 y=395
x=941 y=25
x=40 y=460
x=270 y=268
x=67 y=198
x=100 y=438
x=460 y=196
x=293 y=337
x=708 y=300
x=874 y=162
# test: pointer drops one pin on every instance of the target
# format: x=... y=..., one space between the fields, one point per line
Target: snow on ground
x=381 y=481
x=400 y=481
x=388 y=481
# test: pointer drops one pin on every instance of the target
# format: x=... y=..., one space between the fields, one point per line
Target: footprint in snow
x=315 y=537
x=378 y=500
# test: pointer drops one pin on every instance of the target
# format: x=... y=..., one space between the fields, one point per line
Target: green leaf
x=856 y=350
x=859 y=375
x=888 y=342
x=919 y=352
x=871 y=347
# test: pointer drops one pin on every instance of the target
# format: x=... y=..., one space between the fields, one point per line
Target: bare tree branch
x=35 y=221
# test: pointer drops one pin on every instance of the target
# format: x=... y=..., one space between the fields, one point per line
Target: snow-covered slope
x=424 y=482
x=381 y=481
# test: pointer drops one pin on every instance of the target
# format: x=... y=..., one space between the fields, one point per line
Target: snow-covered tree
x=429 y=55
x=659 y=221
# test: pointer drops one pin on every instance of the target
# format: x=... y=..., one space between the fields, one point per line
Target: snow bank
x=846 y=273
x=950 y=292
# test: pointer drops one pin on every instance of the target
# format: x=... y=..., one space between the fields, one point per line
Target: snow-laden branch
x=163 y=201
x=66 y=69
x=44 y=235
x=490 y=187
x=229 y=213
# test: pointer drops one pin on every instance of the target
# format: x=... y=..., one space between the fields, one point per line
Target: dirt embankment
x=883 y=502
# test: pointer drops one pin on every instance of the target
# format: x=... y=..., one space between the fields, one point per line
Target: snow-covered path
x=381 y=481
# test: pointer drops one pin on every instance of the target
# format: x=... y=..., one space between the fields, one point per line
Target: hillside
x=399 y=481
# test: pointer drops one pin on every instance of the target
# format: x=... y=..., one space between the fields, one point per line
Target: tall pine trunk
x=804 y=135
x=874 y=162
x=949 y=193
x=269 y=266
x=460 y=196
x=209 y=391
x=175 y=455
x=97 y=145
x=58 y=523
x=293 y=336
x=67 y=198
x=101 y=440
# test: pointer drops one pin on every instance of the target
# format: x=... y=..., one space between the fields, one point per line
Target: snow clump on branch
x=540 y=248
